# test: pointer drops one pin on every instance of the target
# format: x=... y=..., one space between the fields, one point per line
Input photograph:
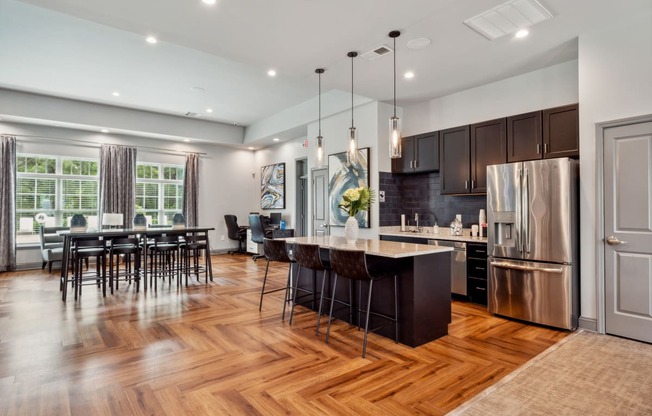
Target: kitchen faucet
x=416 y=220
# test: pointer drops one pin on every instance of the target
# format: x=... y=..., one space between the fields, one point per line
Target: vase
x=140 y=222
x=78 y=223
x=178 y=221
x=351 y=230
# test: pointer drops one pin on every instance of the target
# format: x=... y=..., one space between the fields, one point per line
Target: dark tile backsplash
x=407 y=194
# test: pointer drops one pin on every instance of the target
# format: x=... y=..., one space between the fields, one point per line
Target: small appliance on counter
x=533 y=241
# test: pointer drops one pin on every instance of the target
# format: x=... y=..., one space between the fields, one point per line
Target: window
x=56 y=186
x=159 y=191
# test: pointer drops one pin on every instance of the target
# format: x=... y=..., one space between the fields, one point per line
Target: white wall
x=548 y=87
x=615 y=82
x=226 y=184
x=334 y=130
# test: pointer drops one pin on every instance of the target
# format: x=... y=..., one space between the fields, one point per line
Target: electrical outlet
x=381 y=196
x=222 y=237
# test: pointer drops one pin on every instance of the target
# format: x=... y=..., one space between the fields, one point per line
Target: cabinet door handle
x=466 y=184
x=538 y=148
x=479 y=268
x=480 y=251
x=472 y=183
x=545 y=148
x=416 y=163
x=411 y=163
x=480 y=288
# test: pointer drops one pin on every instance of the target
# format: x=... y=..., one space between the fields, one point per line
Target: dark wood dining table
x=107 y=234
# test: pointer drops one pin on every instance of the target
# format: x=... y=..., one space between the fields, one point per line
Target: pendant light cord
x=394 y=77
x=352 y=90
x=319 y=104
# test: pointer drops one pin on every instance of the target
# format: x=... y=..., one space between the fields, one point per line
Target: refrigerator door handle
x=526 y=211
x=527 y=268
x=519 y=213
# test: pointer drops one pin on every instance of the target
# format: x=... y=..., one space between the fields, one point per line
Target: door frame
x=599 y=229
x=301 y=200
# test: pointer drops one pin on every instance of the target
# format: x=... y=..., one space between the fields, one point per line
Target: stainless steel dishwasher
x=458 y=264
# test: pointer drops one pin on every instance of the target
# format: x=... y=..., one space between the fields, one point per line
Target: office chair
x=236 y=232
x=257 y=232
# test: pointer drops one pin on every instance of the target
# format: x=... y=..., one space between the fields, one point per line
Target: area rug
x=584 y=374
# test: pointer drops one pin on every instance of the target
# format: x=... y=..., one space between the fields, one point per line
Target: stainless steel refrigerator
x=533 y=241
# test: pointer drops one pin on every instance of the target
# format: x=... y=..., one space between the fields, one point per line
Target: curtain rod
x=90 y=144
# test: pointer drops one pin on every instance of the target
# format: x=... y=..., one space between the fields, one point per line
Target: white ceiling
x=86 y=49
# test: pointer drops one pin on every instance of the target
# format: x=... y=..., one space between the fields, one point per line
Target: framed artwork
x=343 y=175
x=272 y=186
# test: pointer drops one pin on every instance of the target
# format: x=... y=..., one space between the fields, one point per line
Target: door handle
x=613 y=241
x=324 y=226
x=527 y=268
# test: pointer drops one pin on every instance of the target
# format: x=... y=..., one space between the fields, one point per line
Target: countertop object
x=426 y=232
x=373 y=247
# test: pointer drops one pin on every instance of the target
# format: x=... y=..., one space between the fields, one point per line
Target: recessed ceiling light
x=208 y=1
x=418 y=43
x=408 y=75
x=116 y=94
x=276 y=139
x=271 y=73
x=186 y=140
x=151 y=39
x=104 y=131
x=522 y=33
x=250 y=148
x=209 y=110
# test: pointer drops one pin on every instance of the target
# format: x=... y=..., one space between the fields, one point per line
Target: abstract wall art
x=272 y=186
x=343 y=175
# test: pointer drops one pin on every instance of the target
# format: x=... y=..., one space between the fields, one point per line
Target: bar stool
x=164 y=255
x=276 y=250
x=193 y=246
x=307 y=256
x=82 y=250
x=352 y=264
x=125 y=247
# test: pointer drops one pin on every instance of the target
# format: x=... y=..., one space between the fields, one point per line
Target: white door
x=628 y=230
x=320 y=202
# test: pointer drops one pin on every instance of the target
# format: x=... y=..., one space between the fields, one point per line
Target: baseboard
x=30 y=266
x=590 y=324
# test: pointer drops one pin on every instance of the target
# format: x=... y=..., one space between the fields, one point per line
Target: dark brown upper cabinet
x=547 y=134
x=488 y=147
x=455 y=160
x=561 y=132
x=467 y=151
x=419 y=153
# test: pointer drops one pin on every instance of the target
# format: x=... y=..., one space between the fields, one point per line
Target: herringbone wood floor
x=207 y=350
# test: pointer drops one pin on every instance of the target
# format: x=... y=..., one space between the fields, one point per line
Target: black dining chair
x=258 y=232
x=236 y=232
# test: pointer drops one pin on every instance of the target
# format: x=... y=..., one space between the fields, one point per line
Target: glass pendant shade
x=352 y=152
x=394 y=137
x=320 y=152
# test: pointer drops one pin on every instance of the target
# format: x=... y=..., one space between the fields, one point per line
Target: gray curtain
x=191 y=190
x=118 y=181
x=7 y=203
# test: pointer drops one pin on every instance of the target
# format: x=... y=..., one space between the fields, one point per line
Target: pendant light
x=394 y=122
x=320 y=140
x=352 y=152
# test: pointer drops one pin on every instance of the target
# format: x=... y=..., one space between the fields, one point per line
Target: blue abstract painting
x=272 y=186
x=343 y=175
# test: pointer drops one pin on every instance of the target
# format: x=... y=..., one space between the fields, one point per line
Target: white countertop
x=427 y=232
x=373 y=247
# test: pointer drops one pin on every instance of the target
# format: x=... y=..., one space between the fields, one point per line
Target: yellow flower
x=355 y=200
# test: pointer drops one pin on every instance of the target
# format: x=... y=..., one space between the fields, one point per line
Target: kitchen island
x=423 y=285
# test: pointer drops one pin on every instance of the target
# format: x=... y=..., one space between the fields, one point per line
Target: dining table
x=143 y=234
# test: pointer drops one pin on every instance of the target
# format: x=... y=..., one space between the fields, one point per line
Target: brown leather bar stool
x=352 y=264
x=307 y=256
x=276 y=250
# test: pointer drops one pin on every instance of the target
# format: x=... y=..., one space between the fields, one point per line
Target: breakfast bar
x=424 y=284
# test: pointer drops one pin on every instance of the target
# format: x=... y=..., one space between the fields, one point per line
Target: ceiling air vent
x=191 y=114
x=376 y=53
x=508 y=18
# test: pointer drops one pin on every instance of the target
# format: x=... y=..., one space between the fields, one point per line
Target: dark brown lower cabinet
x=476 y=272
